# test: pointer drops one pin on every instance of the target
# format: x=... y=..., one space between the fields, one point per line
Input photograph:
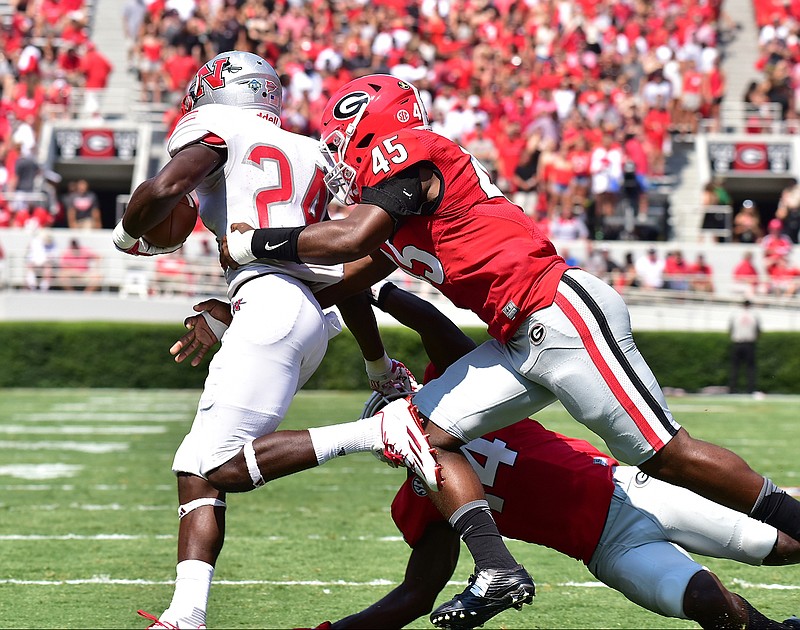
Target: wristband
x=379 y=367
x=216 y=326
x=277 y=243
x=240 y=246
x=385 y=290
x=123 y=240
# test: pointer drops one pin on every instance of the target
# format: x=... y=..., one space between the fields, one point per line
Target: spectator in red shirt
x=701 y=275
x=76 y=268
x=180 y=67
x=746 y=278
x=656 y=124
x=95 y=68
x=775 y=243
x=783 y=277
x=676 y=272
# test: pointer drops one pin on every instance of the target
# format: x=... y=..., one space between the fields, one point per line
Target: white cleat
x=405 y=443
x=162 y=624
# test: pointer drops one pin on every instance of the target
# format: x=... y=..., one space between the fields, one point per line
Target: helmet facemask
x=340 y=177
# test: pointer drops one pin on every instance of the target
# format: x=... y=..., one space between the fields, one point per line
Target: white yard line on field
x=103 y=416
x=81 y=447
x=32 y=472
x=15 y=429
x=106 y=580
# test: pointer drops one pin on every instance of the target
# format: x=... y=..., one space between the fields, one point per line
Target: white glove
x=128 y=244
x=388 y=376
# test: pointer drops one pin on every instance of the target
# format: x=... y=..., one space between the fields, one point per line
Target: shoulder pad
x=197 y=124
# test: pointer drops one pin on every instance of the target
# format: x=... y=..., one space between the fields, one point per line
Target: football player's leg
x=201 y=533
x=711 y=605
x=586 y=355
x=697 y=524
x=478 y=393
x=634 y=557
x=270 y=355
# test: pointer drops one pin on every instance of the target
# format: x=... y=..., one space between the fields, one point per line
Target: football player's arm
x=444 y=342
x=359 y=275
x=154 y=199
x=327 y=243
x=413 y=191
x=430 y=566
x=205 y=330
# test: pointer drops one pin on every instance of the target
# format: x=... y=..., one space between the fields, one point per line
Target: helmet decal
x=349 y=105
x=212 y=76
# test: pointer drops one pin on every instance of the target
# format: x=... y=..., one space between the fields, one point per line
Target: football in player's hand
x=175 y=229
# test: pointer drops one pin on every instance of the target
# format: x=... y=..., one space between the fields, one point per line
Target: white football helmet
x=236 y=78
x=378 y=401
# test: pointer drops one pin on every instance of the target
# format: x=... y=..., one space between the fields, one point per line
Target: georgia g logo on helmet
x=350 y=105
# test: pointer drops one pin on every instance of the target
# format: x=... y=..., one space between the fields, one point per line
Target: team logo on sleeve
x=350 y=104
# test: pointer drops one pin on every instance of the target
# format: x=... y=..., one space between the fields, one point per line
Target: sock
x=757 y=620
x=474 y=523
x=190 y=599
x=342 y=439
x=775 y=507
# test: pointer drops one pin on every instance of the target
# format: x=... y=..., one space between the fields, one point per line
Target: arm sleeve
x=400 y=195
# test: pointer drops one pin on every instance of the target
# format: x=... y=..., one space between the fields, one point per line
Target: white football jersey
x=272 y=178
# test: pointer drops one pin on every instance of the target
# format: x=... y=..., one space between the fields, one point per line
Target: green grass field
x=88 y=522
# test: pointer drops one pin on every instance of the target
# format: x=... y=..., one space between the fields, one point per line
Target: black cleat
x=792 y=622
x=489 y=593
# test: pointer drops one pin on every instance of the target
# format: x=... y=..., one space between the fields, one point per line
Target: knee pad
x=670 y=592
x=184 y=509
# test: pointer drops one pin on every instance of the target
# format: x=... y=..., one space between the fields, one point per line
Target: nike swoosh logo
x=407 y=194
x=269 y=247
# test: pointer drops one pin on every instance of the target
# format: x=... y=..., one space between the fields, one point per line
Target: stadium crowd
x=571 y=106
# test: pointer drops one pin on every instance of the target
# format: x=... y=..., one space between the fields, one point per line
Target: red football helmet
x=362 y=111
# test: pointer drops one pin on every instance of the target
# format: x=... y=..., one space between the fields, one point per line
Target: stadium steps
x=741 y=54
x=108 y=36
x=685 y=197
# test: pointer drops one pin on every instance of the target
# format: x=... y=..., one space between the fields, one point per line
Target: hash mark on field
x=769 y=587
x=81 y=447
x=30 y=472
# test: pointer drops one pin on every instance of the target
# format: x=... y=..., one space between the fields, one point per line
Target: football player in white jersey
x=229 y=147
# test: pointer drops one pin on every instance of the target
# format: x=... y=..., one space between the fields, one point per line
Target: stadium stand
x=550 y=78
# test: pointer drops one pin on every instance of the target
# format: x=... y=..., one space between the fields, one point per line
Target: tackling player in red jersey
x=425 y=205
x=630 y=530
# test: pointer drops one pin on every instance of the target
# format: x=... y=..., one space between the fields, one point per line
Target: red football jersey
x=479 y=249
x=543 y=488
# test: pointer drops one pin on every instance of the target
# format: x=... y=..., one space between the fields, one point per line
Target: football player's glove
x=388 y=376
x=128 y=244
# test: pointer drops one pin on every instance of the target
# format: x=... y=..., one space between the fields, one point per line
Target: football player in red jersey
x=632 y=531
x=426 y=205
